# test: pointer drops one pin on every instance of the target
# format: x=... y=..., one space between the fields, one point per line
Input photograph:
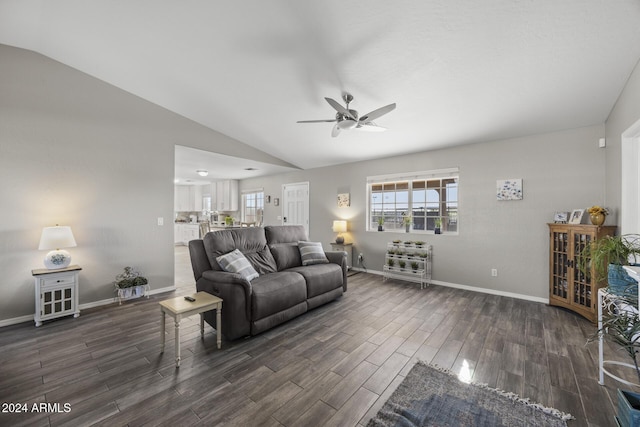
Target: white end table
x=179 y=307
x=56 y=293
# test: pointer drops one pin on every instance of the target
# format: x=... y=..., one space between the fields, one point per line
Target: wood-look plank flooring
x=333 y=366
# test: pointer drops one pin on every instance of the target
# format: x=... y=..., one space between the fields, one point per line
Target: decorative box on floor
x=130 y=284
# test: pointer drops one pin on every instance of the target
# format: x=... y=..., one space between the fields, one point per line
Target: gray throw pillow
x=235 y=262
x=312 y=253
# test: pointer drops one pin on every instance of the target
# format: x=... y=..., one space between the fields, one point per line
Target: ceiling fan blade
x=317 y=121
x=339 y=108
x=370 y=127
x=378 y=113
x=335 y=131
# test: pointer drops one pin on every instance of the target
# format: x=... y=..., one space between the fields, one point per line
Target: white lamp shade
x=340 y=226
x=56 y=238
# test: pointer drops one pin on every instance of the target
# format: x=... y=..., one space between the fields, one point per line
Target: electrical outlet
x=160 y=220
x=494 y=272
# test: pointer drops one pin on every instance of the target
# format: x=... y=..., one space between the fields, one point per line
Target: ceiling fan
x=348 y=119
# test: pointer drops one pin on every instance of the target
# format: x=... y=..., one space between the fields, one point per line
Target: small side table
x=56 y=293
x=179 y=307
x=345 y=247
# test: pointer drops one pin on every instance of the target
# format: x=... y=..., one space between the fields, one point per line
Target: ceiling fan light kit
x=347 y=119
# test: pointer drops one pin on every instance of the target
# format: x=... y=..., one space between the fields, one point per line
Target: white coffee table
x=179 y=308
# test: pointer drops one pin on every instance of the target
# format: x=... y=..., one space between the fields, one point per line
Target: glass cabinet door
x=560 y=264
x=582 y=289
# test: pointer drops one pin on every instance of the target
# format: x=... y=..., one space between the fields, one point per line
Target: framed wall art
x=509 y=189
x=344 y=200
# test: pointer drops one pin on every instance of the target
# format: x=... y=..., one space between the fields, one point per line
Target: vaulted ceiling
x=460 y=71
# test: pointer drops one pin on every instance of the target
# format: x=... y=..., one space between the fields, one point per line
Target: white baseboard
x=16 y=320
x=29 y=317
x=473 y=288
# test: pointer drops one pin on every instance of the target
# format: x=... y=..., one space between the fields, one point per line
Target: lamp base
x=57 y=259
x=340 y=240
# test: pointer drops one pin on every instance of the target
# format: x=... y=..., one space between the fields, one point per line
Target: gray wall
x=79 y=152
x=561 y=171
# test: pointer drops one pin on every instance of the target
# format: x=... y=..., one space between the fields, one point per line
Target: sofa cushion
x=275 y=292
x=287 y=255
x=283 y=242
x=251 y=241
x=312 y=253
x=320 y=278
x=276 y=234
x=235 y=262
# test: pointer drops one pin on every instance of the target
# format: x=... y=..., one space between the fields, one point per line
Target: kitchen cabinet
x=187 y=198
x=185 y=232
x=226 y=195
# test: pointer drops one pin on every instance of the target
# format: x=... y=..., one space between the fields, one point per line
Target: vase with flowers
x=597 y=214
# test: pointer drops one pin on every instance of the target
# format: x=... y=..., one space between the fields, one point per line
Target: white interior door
x=295 y=204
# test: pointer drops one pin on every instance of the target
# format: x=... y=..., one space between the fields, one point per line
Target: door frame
x=284 y=203
x=630 y=180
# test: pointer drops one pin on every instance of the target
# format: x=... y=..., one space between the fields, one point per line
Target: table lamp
x=56 y=238
x=339 y=226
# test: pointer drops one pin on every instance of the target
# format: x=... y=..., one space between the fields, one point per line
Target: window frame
x=448 y=210
x=259 y=209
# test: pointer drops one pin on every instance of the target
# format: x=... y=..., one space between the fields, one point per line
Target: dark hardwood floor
x=333 y=366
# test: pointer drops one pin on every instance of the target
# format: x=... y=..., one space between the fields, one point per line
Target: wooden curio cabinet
x=568 y=286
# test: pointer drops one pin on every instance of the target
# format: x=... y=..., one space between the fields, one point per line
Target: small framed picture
x=561 y=217
x=344 y=200
x=576 y=216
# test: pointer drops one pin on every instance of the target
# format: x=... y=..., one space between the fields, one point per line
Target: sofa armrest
x=225 y=278
x=222 y=279
x=340 y=258
x=199 y=260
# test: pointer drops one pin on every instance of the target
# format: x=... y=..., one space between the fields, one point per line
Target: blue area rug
x=430 y=396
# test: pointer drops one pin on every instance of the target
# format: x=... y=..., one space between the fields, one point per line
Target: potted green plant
x=381 y=223
x=620 y=321
x=402 y=264
x=621 y=326
x=437 y=226
x=391 y=262
x=414 y=266
x=130 y=284
x=406 y=220
x=607 y=256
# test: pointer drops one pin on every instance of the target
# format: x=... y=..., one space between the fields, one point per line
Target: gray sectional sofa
x=285 y=287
